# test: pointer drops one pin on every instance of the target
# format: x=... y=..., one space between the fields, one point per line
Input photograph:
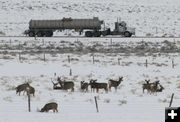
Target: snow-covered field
x=149 y=17
x=127 y=104
x=37 y=60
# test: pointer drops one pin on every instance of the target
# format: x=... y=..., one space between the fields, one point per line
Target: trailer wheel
x=31 y=34
x=39 y=34
x=48 y=33
x=88 y=34
x=97 y=34
x=127 y=34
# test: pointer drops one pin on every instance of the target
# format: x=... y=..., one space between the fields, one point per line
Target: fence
x=119 y=60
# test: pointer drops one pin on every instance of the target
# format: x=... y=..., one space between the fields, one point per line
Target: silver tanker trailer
x=92 y=27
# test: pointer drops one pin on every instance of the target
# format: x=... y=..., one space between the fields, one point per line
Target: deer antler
x=58 y=78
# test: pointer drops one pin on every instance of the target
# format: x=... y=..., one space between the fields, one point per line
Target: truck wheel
x=127 y=34
x=39 y=34
x=88 y=34
x=97 y=34
x=49 y=34
x=31 y=34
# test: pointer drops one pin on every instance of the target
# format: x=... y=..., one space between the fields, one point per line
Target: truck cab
x=121 y=28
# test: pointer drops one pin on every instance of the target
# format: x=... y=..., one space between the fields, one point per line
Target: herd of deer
x=65 y=85
x=25 y=87
x=153 y=87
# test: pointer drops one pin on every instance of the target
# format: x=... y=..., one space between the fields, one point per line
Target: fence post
x=93 y=58
x=174 y=41
x=173 y=63
x=43 y=41
x=19 y=45
x=70 y=72
x=29 y=99
x=69 y=60
x=146 y=63
x=119 y=61
x=19 y=56
x=95 y=98
x=54 y=74
x=171 y=100
x=44 y=57
x=111 y=41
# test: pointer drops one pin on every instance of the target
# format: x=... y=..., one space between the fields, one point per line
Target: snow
x=149 y=17
x=22 y=60
x=127 y=104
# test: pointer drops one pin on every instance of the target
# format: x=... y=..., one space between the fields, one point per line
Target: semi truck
x=92 y=27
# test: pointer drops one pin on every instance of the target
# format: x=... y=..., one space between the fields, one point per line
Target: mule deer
x=50 y=106
x=146 y=86
x=66 y=84
x=160 y=89
x=91 y=83
x=55 y=86
x=84 y=86
x=31 y=90
x=114 y=83
x=21 y=88
x=98 y=86
x=154 y=87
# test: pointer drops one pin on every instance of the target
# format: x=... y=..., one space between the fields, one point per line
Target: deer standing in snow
x=114 y=83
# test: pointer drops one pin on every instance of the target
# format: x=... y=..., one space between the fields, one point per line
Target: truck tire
x=88 y=34
x=31 y=34
x=127 y=34
x=106 y=32
x=97 y=34
x=48 y=33
x=39 y=34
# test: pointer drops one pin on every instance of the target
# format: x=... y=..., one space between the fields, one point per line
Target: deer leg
x=150 y=92
x=97 y=90
x=109 y=87
x=72 y=89
x=23 y=92
x=106 y=89
x=155 y=92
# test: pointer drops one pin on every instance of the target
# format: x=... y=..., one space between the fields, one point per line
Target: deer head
x=120 y=79
x=147 y=81
x=82 y=82
x=157 y=82
x=93 y=81
x=161 y=87
x=58 y=78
